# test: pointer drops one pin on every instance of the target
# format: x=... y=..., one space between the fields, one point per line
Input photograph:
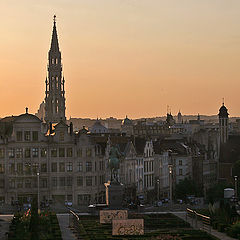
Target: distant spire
x=54 y=42
x=223 y=101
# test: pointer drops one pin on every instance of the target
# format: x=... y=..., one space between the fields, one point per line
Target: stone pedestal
x=115 y=195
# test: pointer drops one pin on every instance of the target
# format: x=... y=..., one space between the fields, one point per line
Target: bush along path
x=33 y=226
x=196 y=224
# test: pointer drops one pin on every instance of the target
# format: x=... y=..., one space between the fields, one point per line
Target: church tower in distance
x=223 y=124
x=55 y=93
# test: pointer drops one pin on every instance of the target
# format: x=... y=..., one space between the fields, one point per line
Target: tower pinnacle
x=55 y=93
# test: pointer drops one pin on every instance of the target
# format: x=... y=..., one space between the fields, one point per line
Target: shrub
x=234 y=230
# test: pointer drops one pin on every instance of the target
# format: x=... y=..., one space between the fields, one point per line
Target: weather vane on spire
x=54 y=18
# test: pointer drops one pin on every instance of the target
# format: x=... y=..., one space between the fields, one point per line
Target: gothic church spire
x=54 y=42
x=55 y=93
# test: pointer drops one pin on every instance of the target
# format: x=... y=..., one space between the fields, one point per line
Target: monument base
x=115 y=195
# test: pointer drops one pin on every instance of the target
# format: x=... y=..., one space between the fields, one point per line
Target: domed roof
x=127 y=121
x=98 y=127
x=26 y=117
x=223 y=112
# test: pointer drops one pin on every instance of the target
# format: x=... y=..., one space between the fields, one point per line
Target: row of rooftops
x=159 y=145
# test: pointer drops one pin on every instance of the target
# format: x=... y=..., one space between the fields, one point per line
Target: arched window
x=56 y=61
x=56 y=82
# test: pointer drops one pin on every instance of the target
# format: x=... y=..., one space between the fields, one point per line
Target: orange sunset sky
x=123 y=57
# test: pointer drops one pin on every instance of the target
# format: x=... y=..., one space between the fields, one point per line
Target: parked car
x=68 y=203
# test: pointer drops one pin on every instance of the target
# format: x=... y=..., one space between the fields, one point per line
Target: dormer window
x=19 y=136
x=61 y=136
x=27 y=135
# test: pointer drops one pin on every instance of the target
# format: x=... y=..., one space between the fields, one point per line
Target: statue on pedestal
x=114 y=164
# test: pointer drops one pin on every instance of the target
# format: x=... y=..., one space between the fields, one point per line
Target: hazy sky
x=123 y=57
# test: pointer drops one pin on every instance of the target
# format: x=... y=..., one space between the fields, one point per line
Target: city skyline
x=126 y=63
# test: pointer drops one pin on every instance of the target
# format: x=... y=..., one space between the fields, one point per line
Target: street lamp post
x=236 y=190
x=158 y=192
x=170 y=181
x=38 y=194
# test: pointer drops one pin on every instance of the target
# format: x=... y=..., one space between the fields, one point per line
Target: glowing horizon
x=123 y=57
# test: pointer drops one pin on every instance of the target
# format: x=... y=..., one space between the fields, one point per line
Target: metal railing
x=199 y=221
x=74 y=223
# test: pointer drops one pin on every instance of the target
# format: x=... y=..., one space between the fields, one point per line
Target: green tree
x=216 y=192
x=187 y=187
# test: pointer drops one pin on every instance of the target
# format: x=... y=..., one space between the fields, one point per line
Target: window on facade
x=28 y=168
x=54 y=167
x=1 y=183
x=80 y=181
x=61 y=136
x=43 y=152
x=61 y=167
x=54 y=152
x=69 y=198
x=79 y=167
x=180 y=162
x=84 y=198
x=95 y=180
x=2 y=155
x=97 y=150
x=19 y=136
x=35 y=152
x=89 y=152
x=27 y=153
x=88 y=166
x=19 y=168
x=19 y=152
x=145 y=167
x=54 y=181
x=69 y=181
x=11 y=153
x=1 y=168
x=69 y=152
x=79 y=152
x=19 y=183
x=35 y=135
x=12 y=168
x=43 y=182
x=88 y=181
x=11 y=183
x=69 y=167
x=61 y=152
x=27 y=183
x=27 y=135
x=62 y=181
x=35 y=168
x=180 y=171
x=43 y=167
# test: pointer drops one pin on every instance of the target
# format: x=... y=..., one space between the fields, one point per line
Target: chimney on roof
x=71 y=128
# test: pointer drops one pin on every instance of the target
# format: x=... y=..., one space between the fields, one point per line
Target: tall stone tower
x=223 y=124
x=55 y=93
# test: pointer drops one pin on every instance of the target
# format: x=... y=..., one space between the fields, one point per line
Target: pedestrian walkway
x=5 y=221
x=196 y=224
x=63 y=220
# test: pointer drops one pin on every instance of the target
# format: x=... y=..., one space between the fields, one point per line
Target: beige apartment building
x=71 y=166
